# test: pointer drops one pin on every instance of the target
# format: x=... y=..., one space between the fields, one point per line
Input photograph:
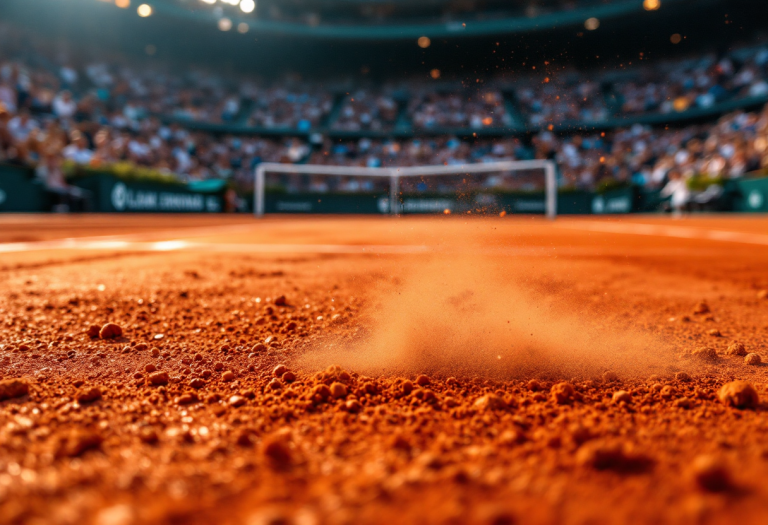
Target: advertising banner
x=614 y=201
x=113 y=195
x=751 y=195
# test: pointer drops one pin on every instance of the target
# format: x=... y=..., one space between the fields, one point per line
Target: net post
x=258 y=193
x=551 y=189
x=394 y=183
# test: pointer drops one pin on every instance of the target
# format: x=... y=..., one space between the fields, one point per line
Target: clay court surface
x=444 y=370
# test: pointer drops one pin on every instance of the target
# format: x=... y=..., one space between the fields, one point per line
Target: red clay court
x=616 y=396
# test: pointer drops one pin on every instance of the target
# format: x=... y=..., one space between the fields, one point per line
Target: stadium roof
x=469 y=24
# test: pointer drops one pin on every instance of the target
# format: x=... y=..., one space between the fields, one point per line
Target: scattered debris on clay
x=174 y=399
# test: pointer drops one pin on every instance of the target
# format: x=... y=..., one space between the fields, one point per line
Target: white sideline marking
x=181 y=245
x=680 y=232
x=159 y=235
x=310 y=248
x=300 y=248
x=63 y=244
x=169 y=246
x=159 y=241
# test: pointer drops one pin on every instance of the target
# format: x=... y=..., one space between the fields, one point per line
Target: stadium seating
x=104 y=111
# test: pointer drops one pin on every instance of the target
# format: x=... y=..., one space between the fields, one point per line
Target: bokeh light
x=651 y=5
x=247 y=6
x=225 y=24
x=435 y=73
x=681 y=104
x=242 y=27
x=676 y=38
x=123 y=4
x=591 y=24
x=144 y=10
x=424 y=42
x=209 y=2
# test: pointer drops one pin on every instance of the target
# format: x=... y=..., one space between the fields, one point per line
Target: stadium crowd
x=570 y=98
x=701 y=82
x=107 y=111
x=735 y=145
x=465 y=109
x=368 y=110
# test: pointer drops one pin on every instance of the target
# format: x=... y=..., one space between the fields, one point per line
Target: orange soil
x=422 y=422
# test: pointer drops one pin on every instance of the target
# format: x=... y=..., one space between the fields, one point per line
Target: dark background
x=180 y=41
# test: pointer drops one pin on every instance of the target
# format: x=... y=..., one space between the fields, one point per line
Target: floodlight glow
x=651 y=5
x=225 y=24
x=144 y=10
x=247 y=6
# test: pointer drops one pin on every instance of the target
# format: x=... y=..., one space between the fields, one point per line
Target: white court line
x=143 y=242
x=169 y=246
x=178 y=245
x=181 y=245
x=202 y=231
x=63 y=244
x=680 y=232
x=122 y=242
x=310 y=248
x=506 y=251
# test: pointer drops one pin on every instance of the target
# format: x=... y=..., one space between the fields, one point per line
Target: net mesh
x=504 y=187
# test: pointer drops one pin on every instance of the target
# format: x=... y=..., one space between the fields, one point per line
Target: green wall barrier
x=751 y=195
x=569 y=203
x=19 y=192
x=574 y=203
x=647 y=201
x=618 y=201
x=113 y=195
x=326 y=203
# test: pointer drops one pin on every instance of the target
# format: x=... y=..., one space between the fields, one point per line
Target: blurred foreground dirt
x=204 y=410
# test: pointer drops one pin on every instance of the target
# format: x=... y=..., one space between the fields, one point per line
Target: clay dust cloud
x=465 y=316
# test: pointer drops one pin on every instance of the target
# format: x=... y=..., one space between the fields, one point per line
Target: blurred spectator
x=21 y=126
x=64 y=106
x=483 y=109
x=678 y=190
x=77 y=150
x=301 y=110
x=556 y=101
x=367 y=110
x=8 y=97
x=65 y=197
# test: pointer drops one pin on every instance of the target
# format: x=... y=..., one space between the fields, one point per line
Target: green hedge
x=125 y=171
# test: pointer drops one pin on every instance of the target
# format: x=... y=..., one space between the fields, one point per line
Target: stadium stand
x=101 y=109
